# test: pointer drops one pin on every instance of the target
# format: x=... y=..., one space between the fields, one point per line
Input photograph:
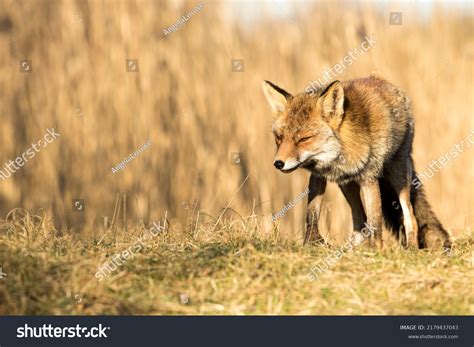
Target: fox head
x=306 y=126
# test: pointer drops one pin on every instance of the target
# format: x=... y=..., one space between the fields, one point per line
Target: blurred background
x=196 y=94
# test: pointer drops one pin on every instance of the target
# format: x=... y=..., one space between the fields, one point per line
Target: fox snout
x=286 y=164
x=283 y=169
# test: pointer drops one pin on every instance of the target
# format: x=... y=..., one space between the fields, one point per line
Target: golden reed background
x=196 y=111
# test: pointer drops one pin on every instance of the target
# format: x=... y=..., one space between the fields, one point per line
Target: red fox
x=358 y=134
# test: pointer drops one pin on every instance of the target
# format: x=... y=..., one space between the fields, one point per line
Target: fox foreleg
x=373 y=205
x=317 y=187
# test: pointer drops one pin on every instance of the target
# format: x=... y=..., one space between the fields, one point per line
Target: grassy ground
x=223 y=269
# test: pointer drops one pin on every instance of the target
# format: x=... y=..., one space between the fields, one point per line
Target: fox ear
x=276 y=97
x=332 y=100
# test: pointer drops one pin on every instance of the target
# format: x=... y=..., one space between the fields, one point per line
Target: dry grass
x=196 y=111
x=231 y=270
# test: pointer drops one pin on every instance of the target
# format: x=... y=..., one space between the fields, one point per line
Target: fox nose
x=279 y=164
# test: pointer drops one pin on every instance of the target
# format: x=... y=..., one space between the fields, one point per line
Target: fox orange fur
x=358 y=134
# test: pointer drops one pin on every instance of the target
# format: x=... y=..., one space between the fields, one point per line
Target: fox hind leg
x=399 y=173
x=409 y=221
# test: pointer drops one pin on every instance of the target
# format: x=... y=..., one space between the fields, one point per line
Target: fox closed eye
x=278 y=138
x=304 y=139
